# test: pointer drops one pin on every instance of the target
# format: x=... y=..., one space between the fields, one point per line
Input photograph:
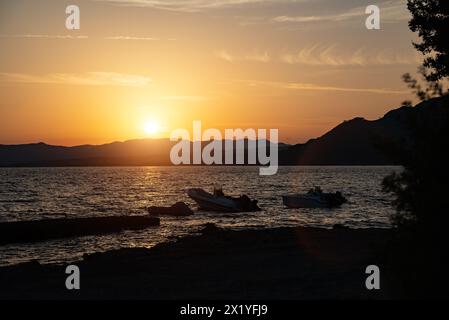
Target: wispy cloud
x=316 y=87
x=390 y=11
x=250 y=21
x=87 y=79
x=326 y=55
x=43 y=36
x=331 y=56
x=192 y=5
x=259 y=57
x=131 y=38
x=262 y=57
x=62 y=37
x=224 y=55
x=334 y=17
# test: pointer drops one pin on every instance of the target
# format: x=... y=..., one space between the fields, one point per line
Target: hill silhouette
x=353 y=142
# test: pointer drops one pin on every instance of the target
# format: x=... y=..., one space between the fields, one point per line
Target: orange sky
x=299 y=66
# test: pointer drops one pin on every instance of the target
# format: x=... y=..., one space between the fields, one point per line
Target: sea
x=69 y=192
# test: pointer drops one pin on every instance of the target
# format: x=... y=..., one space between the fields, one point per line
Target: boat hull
x=208 y=202
x=304 y=201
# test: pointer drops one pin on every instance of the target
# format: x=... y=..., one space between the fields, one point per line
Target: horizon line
x=136 y=139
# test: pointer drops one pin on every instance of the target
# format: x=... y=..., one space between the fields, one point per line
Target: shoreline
x=281 y=263
x=17 y=232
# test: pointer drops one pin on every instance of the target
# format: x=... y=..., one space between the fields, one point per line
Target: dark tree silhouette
x=419 y=256
x=421 y=187
x=430 y=18
x=424 y=180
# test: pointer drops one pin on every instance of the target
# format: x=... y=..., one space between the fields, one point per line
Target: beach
x=278 y=263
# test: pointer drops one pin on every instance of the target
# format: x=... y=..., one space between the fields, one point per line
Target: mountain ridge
x=353 y=142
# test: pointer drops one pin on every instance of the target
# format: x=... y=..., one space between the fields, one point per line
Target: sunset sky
x=142 y=68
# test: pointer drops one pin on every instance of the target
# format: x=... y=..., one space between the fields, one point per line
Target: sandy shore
x=284 y=263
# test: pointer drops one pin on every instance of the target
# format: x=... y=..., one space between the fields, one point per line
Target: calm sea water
x=42 y=193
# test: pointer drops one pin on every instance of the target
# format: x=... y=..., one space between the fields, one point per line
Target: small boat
x=315 y=198
x=179 y=209
x=218 y=202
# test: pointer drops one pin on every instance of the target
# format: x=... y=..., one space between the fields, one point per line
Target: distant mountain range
x=354 y=142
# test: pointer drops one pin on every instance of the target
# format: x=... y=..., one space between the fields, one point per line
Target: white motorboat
x=218 y=202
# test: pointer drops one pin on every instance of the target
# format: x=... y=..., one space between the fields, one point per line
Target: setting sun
x=151 y=127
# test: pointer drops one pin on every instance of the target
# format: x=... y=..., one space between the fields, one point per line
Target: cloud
x=316 y=87
x=390 y=11
x=250 y=21
x=259 y=57
x=49 y=36
x=263 y=57
x=192 y=5
x=224 y=55
x=43 y=36
x=330 y=56
x=131 y=38
x=358 y=12
x=87 y=79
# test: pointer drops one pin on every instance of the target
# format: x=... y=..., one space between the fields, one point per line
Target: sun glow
x=151 y=127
